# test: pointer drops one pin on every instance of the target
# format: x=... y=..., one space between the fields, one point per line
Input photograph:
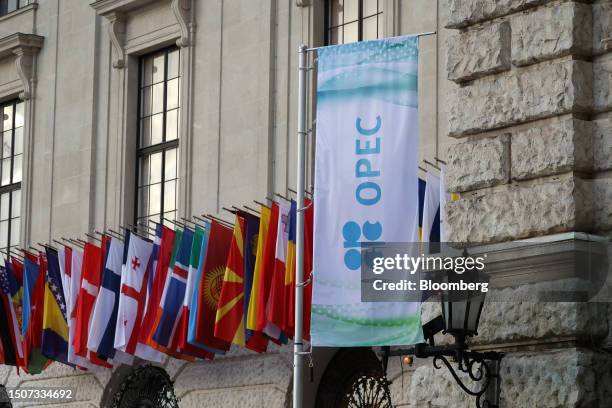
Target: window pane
x=173 y=94
x=370 y=31
x=147 y=71
x=172 y=125
x=170 y=170
x=145 y=132
x=7 y=139
x=144 y=171
x=351 y=10
x=170 y=216
x=351 y=33
x=158 y=68
x=7 y=118
x=157 y=123
x=4 y=234
x=17 y=169
x=170 y=196
x=370 y=7
x=4 y=206
x=145 y=101
x=15 y=231
x=6 y=172
x=16 y=204
x=157 y=98
x=336 y=12
x=143 y=200
x=156 y=167
x=12 y=5
x=155 y=198
x=335 y=36
x=18 y=140
x=173 y=64
x=19 y=115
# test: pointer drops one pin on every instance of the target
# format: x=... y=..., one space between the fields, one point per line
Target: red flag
x=209 y=287
x=229 y=322
x=89 y=287
x=267 y=269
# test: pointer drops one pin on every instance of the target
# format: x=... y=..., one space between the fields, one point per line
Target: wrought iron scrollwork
x=146 y=387
x=476 y=369
x=369 y=391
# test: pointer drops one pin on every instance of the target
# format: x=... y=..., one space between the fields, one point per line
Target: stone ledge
x=520 y=211
x=552 y=32
x=475 y=53
x=537 y=92
x=552 y=149
x=475 y=164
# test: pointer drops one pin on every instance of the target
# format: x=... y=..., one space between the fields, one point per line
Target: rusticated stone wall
x=530 y=109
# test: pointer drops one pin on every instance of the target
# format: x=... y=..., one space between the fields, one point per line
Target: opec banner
x=366 y=186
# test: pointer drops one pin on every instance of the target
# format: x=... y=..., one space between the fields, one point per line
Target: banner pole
x=299 y=245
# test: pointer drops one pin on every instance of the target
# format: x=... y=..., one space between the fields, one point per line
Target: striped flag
x=254 y=302
x=10 y=291
x=431 y=209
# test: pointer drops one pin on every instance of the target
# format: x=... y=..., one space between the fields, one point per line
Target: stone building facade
x=515 y=95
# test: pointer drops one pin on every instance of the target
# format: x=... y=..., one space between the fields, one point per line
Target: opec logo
x=353 y=233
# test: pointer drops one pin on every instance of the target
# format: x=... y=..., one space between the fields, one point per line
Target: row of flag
x=189 y=293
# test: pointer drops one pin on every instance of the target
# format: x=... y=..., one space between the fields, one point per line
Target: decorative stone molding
x=182 y=12
x=116 y=32
x=24 y=47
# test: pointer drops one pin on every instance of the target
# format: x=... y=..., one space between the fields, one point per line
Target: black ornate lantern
x=461 y=312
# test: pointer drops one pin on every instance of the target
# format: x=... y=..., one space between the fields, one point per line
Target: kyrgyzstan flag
x=229 y=322
x=254 y=340
x=91 y=275
x=276 y=301
x=209 y=287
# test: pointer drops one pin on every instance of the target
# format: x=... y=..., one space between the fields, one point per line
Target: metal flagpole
x=299 y=244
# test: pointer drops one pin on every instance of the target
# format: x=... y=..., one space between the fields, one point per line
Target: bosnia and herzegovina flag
x=55 y=324
x=229 y=321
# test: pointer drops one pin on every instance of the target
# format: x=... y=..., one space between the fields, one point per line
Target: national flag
x=76 y=266
x=171 y=304
x=307 y=296
x=165 y=238
x=431 y=209
x=11 y=293
x=229 y=321
x=55 y=324
x=251 y=310
x=194 y=313
x=209 y=287
x=285 y=299
x=33 y=297
x=132 y=296
x=182 y=327
x=275 y=304
x=65 y=263
x=104 y=316
x=254 y=340
x=87 y=293
x=7 y=346
x=143 y=349
x=266 y=272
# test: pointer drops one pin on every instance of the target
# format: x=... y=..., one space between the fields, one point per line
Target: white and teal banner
x=366 y=186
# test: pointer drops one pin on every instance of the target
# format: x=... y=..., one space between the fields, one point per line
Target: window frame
x=20 y=4
x=164 y=145
x=12 y=187
x=360 y=19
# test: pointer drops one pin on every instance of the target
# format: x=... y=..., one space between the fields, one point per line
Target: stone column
x=531 y=111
